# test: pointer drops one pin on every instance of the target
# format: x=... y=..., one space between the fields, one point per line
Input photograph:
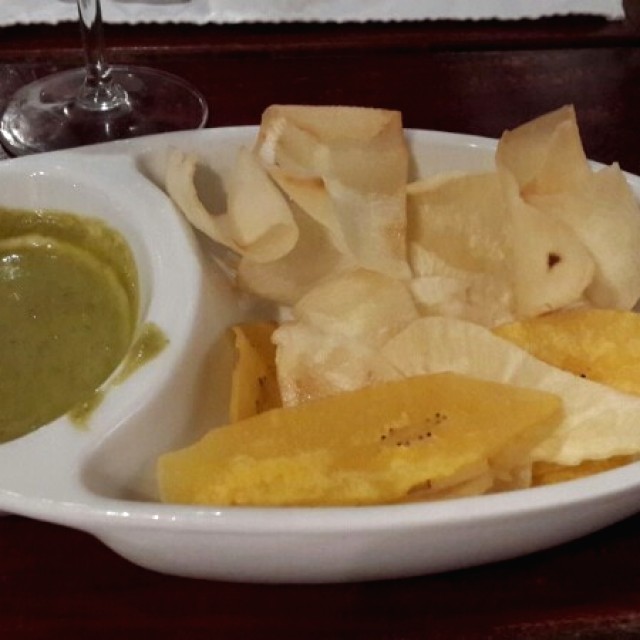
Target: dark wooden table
x=475 y=78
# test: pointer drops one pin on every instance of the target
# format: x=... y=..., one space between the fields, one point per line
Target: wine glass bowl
x=98 y=103
x=58 y=112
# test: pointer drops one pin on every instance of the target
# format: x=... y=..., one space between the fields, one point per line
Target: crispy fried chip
x=545 y=473
x=292 y=276
x=324 y=222
x=458 y=233
x=546 y=159
x=550 y=266
x=376 y=445
x=599 y=344
x=337 y=142
x=461 y=218
x=545 y=155
x=442 y=290
x=311 y=196
x=258 y=222
x=600 y=422
x=314 y=364
x=359 y=304
x=349 y=165
x=604 y=214
x=332 y=344
x=254 y=382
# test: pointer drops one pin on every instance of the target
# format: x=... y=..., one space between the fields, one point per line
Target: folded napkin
x=238 y=11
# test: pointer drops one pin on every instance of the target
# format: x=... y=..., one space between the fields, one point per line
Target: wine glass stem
x=99 y=92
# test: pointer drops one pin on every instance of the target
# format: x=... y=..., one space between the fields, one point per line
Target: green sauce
x=147 y=346
x=68 y=312
x=150 y=342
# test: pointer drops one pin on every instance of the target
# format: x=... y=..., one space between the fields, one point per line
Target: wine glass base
x=46 y=115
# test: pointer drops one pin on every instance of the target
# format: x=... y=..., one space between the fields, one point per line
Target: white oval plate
x=101 y=480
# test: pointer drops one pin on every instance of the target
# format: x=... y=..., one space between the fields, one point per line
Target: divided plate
x=100 y=479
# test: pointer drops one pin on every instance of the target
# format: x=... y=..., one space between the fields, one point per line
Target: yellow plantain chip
x=254 y=383
x=546 y=473
x=599 y=422
x=599 y=344
x=375 y=445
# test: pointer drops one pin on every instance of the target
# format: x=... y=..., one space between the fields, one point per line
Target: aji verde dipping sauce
x=68 y=307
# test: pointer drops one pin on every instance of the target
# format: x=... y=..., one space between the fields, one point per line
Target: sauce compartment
x=187 y=404
x=62 y=460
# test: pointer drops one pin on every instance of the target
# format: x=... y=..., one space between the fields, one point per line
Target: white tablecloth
x=238 y=11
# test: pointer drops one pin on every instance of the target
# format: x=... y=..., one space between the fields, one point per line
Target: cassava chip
x=462 y=219
x=440 y=289
x=349 y=165
x=376 y=445
x=334 y=141
x=290 y=277
x=545 y=155
x=314 y=364
x=550 y=267
x=548 y=164
x=311 y=196
x=458 y=235
x=254 y=382
x=331 y=344
x=258 y=222
x=260 y=218
x=604 y=214
x=358 y=304
x=373 y=227
x=599 y=344
x=600 y=422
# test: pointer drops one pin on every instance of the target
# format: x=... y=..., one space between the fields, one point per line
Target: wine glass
x=99 y=102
